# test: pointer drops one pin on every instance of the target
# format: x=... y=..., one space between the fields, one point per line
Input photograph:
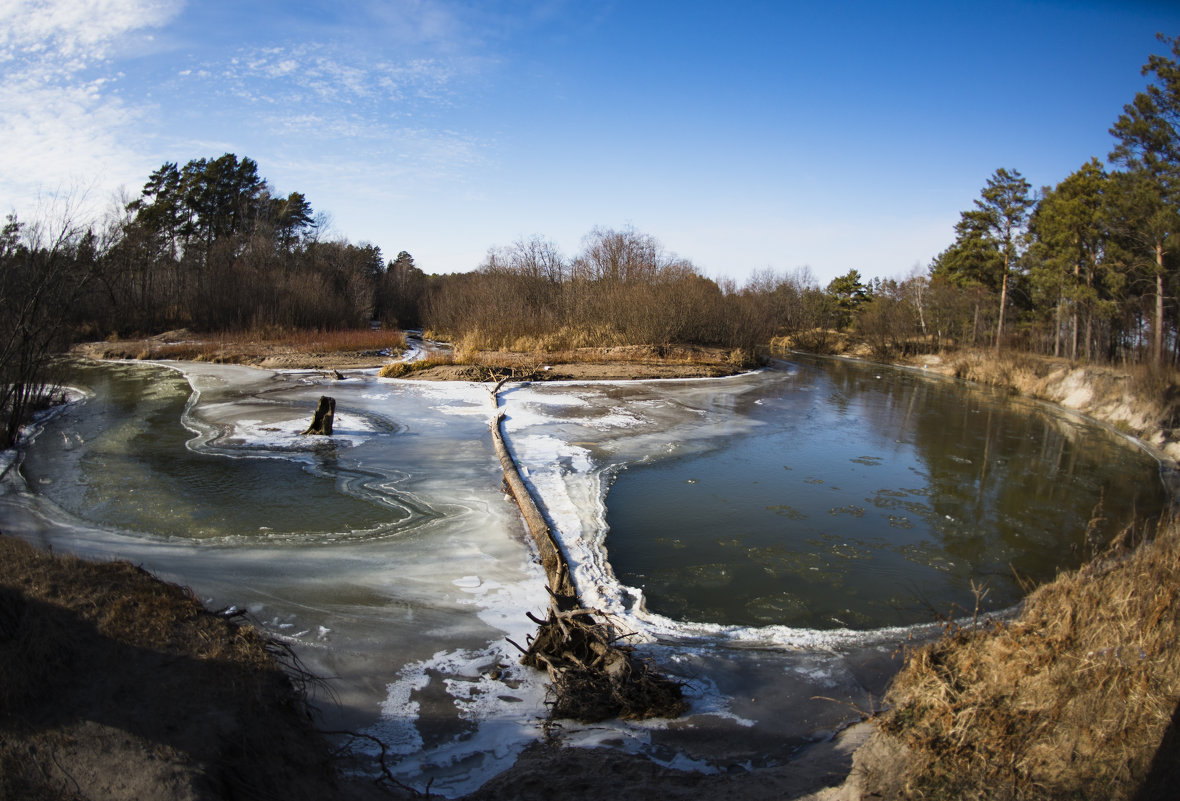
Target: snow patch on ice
x=488 y=688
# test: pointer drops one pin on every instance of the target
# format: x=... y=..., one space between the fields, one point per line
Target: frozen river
x=391 y=559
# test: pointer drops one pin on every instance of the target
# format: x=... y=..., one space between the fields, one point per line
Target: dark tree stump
x=321 y=422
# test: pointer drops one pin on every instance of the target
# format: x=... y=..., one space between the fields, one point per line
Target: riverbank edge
x=115 y=684
x=1143 y=406
x=937 y=733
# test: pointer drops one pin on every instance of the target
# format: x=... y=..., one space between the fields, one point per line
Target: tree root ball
x=593 y=678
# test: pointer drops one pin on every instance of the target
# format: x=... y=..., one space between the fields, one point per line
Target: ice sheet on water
x=436 y=607
x=496 y=710
x=287 y=434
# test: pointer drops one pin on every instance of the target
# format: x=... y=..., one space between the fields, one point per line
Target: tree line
x=1086 y=270
x=208 y=246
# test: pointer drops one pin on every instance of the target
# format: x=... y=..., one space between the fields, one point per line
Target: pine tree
x=1149 y=146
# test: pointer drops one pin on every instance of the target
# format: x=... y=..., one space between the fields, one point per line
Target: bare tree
x=45 y=270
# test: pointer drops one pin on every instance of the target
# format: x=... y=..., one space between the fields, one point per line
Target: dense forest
x=1085 y=270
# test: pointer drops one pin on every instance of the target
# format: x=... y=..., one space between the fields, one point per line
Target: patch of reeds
x=1071 y=699
x=403 y=369
x=247 y=346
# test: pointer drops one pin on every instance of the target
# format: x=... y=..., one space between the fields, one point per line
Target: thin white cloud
x=318 y=72
x=65 y=125
x=71 y=118
x=75 y=32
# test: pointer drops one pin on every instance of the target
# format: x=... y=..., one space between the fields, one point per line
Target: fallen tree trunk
x=561 y=584
x=592 y=676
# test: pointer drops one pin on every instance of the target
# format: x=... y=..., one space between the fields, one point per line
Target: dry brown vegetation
x=116 y=685
x=269 y=348
x=1072 y=699
x=619 y=362
x=1024 y=373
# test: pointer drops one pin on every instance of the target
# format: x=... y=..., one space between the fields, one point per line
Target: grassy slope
x=1073 y=699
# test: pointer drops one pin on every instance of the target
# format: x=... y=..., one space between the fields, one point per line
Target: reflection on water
x=866 y=497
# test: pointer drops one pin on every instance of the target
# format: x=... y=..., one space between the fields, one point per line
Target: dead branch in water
x=594 y=679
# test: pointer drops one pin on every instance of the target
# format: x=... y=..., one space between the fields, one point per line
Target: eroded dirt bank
x=1140 y=404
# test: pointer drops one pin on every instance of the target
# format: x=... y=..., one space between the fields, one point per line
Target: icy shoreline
x=442 y=596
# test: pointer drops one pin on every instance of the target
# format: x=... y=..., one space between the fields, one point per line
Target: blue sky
x=742 y=135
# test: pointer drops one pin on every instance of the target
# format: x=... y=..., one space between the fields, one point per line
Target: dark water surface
x=872 y=497
x=128 y=466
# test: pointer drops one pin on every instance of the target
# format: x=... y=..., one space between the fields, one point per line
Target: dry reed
x=1069 y=700
x=248 y=346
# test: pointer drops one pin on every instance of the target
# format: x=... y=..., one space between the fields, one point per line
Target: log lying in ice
x=561 y=584
x=593 y=675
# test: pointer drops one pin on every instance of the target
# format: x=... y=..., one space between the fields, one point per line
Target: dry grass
x=490 y=365
x=403 y=369
x=1070 y=700
x=822 y=341
x=122 y=603
x=248 y=347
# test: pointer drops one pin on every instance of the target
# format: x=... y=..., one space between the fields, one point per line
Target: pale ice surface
x=410 y=624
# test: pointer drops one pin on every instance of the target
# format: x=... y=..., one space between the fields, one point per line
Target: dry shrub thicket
x=622 y=289
x=1072 y=699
